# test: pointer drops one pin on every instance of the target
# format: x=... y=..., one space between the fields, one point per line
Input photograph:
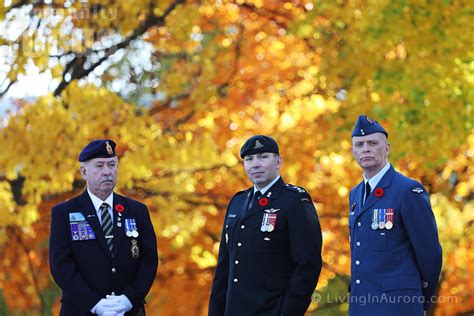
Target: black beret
x=366 y=126
x=101 y=148
x=259 y=144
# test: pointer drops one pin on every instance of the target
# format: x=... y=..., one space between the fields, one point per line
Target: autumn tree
x=181 y=84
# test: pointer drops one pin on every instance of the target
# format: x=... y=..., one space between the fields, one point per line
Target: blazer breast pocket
x=268 y=242
x=401 y=283
x=379 y=241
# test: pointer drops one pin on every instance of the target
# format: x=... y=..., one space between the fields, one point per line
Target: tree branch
x=75 y=69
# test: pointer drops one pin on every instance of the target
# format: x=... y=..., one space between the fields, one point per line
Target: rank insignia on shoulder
x=300 y=190
x=417 y=190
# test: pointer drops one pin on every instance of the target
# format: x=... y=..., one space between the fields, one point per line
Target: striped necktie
x=107 y=225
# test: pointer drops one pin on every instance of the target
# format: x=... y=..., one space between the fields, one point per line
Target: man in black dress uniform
x=102 y=249
x=270 y=250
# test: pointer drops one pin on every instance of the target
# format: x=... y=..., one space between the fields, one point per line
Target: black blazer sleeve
x=306 y=242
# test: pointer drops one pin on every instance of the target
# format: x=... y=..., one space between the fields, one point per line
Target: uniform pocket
x=269 y=243
x=401 y=283
x=379 y=241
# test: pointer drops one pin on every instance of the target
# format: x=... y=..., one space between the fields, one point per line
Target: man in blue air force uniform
x=395 y=251
x=270 y=250
x=102 y=249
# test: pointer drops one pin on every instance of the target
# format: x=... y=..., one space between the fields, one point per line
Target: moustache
x=108 y=179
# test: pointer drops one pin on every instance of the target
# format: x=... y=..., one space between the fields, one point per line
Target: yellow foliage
x=217 y=73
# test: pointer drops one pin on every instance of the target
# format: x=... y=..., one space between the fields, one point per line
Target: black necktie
x=255 y=199
x=107 y=225
x=367 y=191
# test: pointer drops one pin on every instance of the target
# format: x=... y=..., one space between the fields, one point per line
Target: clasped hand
x=112 y=306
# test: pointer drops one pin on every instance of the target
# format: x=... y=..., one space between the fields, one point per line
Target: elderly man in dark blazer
x=270 y=250
x=395 y=251
x=102 y=250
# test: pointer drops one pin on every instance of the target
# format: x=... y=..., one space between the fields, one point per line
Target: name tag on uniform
x=80 y=228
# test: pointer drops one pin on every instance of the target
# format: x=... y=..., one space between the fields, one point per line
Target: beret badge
x=109 y=149
x=258 y=145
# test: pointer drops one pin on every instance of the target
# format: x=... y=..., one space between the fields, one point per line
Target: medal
x=74 y=231
x=375 y=224
x=390 y=218
x=134 y=228
x=264 y=226
x=382 y=218
x=134 y=249
x=131 y=228
x=272 y=220
x=75 y=235
x=83 y=231
x=128 y=227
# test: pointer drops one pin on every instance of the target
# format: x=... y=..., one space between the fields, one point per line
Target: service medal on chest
x=269 y=222
x=134 y=249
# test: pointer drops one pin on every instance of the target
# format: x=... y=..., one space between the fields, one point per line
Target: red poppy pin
x=263 y=201
x=119 y=208
x=379 y=192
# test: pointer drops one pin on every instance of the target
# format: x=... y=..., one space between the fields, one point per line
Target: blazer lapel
x=87 y=207
x=384 y=183
x=270 y=195
x=359 y=198
x=118 y=230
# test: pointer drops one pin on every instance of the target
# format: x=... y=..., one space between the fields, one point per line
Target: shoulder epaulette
x=295 y=188
x=244 y=191
x=302 y=193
